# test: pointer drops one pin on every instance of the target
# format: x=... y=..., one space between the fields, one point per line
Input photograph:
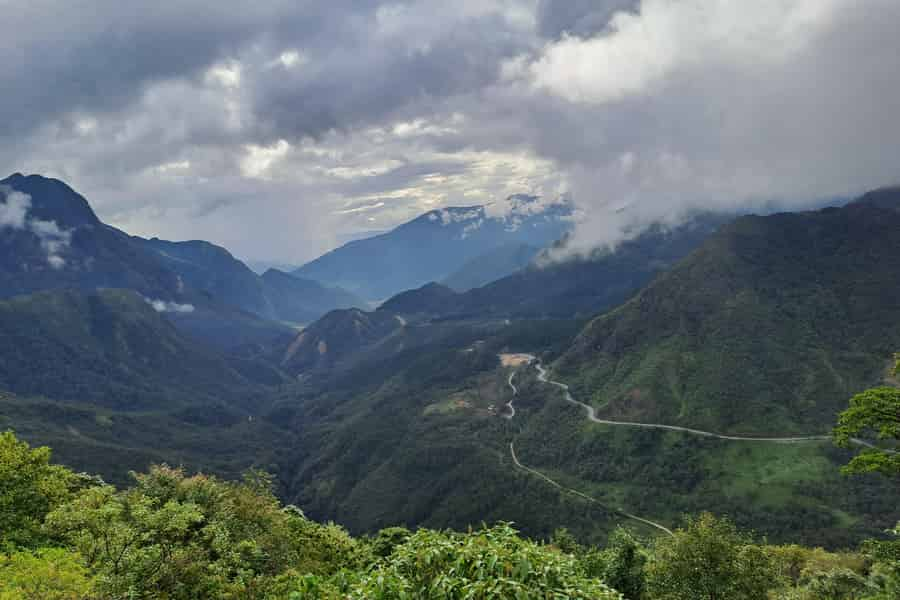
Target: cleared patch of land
x=515 y=360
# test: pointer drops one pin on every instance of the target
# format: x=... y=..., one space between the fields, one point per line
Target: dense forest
x=65 y=535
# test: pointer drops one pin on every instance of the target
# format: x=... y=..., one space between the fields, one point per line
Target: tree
x=708 y=559
x=47 y=574
x=494 y=563
x=837 y=584
x=182 y=537
x=620 y=564
x=875 y=411
x=29 y=488
x=387 y=539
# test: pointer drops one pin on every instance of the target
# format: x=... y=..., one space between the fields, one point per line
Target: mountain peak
x=436 y=244
x=430 y=298
x=52 y=200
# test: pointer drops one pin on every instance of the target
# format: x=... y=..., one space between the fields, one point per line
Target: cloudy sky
x=280 y=127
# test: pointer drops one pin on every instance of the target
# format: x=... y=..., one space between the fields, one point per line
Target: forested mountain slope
x=578 y=286
x=491 y=266
x=274 y=295
x=109 y=348
x=417 y=430
x=768 y=327
x=50 y=239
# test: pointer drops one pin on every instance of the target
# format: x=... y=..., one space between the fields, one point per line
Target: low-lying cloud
x=164 y=306
x=727 y=105
x=14 y=215
x=14 y=209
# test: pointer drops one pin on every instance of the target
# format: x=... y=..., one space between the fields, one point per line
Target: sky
x=280 y=128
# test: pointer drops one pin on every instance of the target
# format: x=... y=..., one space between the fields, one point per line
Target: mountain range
x=572 y=286
x=438 y=244
x=764 y=329
x=121 y=351
x=52 y=240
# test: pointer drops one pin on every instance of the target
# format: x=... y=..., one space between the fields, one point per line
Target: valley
x=439 y=409
x=423 y=300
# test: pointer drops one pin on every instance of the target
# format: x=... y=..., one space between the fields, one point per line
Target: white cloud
x=290 y=59
x=359 y=209
x=162 y=306
x=54 y=240
x=259 y=159
x=721 y=104
x=642 y=49
x=14 y=209
x=179 y=166
x=227 y=75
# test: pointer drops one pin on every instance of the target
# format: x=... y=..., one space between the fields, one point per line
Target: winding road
x=515 y=390
x=556 y=484
x=592 y=416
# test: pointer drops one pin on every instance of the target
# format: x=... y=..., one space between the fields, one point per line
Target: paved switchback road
x=592 y=416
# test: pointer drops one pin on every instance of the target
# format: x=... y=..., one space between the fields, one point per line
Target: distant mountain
x=583 y=286
x=336 y=336
x=769 y=327
x=50 y=239
x=430 y=299
x=274 y=295
x=435 y=245
x=212 y=269
x=573 y=287
x=303 y=300
x=261 y=266
x=494 y=264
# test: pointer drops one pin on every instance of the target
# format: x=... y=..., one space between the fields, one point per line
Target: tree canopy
x=873 y=412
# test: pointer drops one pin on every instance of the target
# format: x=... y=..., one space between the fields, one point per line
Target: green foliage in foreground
x=877 y=412
x=177 y=536
x=29 y=487
x=709 y=559
x=47 y=574
x=492 y=563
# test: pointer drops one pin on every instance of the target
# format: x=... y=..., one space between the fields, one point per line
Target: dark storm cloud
x=372 y=74
x=192 y=119
x=96 y=55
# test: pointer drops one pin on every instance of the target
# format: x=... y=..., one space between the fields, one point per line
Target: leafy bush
x=709 y=560
x=176 y=536
x=492 y=563
x=29 y=488
x=47 y=574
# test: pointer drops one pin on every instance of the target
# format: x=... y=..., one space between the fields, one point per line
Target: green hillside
x=374 y=419
x=109 y=348
x=768 y=328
